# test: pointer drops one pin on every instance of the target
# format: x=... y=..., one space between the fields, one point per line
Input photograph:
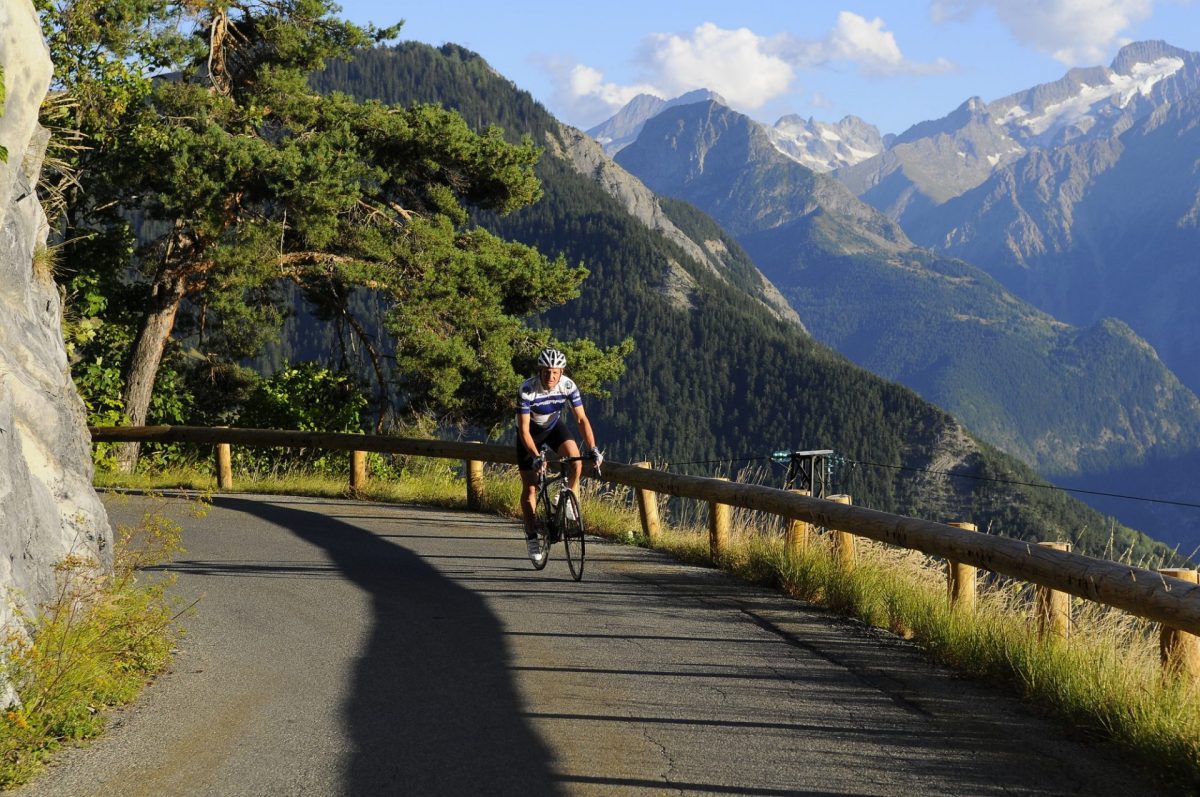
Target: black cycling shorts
x=554 y=438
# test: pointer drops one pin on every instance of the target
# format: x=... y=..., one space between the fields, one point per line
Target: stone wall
x=48 y=508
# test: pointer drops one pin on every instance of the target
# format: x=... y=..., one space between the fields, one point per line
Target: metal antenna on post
x=807 y=470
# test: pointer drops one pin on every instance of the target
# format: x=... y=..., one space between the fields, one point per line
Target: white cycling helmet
x=552 y=358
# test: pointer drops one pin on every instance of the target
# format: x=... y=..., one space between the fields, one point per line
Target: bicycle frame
x=545 y=481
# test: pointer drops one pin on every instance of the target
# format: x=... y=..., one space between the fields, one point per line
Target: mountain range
x=1082 y=196
x=1061 y=397
x=723 y=372
x=1053 y=229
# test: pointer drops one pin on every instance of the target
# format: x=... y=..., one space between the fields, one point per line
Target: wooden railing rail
x=338 y=441
x=1159 y=597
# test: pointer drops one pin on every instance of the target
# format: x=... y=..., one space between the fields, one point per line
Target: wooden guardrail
x=1172 y=601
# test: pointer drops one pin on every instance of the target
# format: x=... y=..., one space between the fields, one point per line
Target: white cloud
x=862 y=42
x=584 y=81
x=582 y=94
x=747 y=69
x=1074 y=32
x=865 y=42
x=737 y=64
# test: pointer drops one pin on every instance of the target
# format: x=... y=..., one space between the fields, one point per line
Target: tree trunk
x=165 y=297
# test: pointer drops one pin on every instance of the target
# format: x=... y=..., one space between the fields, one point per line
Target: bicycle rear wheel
x=570 y=522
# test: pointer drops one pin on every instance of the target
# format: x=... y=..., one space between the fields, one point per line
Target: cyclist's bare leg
x=528 y=497
x=575 y=470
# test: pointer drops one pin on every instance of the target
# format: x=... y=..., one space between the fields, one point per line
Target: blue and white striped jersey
x=544 y=407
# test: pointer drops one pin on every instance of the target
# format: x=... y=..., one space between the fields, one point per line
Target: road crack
x=668 y=777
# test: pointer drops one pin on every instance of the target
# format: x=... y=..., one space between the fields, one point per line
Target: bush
x=305 y=397
x=95 y=644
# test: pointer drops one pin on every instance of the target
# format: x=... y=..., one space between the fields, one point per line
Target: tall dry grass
x=1106 y=679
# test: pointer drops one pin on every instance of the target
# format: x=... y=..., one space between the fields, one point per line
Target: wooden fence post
x=647 y=502
x=799 y=532
x=843 y=541
x=224 y=467
x=473 y=470
x=1179 y=650
x=1053 y=607
x=718 y=526
x=961 y=579
x=358 y=472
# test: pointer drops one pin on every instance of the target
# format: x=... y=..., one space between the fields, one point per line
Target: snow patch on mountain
x=823 y=147
x=1081 y=110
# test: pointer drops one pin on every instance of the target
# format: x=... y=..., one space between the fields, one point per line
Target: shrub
x=95 y=644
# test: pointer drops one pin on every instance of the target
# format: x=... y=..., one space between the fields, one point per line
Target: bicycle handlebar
x=564 y=460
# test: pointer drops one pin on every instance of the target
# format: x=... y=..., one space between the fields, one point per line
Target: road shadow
x=433 y=708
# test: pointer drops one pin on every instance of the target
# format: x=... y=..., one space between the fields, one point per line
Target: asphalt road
x=346 y=648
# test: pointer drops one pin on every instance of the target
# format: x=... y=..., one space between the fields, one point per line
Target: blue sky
x=892 y=63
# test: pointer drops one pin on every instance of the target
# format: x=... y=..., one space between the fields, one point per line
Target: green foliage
x=93 y=646
x=96 y=350
x=306 y=397
x=106 y=52
x=238 y=178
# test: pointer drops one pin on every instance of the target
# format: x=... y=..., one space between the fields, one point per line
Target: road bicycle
x=557 y=514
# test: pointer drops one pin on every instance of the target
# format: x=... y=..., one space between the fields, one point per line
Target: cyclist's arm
x=525 y=436
x=585 y=427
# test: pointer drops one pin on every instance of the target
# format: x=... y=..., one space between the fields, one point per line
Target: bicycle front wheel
x=570 y=523
x=544 y=522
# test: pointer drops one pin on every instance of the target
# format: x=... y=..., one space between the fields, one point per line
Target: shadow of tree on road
x=433 y=708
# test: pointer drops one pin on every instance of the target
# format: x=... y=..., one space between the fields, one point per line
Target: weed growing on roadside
x=102 y=636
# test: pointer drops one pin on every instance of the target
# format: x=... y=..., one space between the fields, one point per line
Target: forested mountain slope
x=718 y=372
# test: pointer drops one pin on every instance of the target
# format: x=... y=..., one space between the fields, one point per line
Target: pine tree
x=241 y=176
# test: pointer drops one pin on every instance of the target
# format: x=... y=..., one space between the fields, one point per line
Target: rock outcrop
x=587 y=158
x=48 y=509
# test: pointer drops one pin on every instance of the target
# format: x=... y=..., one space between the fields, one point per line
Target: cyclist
x=540 y=403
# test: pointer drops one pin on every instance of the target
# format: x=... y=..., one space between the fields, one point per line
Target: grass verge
x=94 y=645
x=1106 y=681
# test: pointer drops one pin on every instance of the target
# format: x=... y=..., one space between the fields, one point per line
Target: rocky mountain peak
x=621 y=129
x=822 y=146
x=1147 y=52
x=935 y=161
x=974 y=110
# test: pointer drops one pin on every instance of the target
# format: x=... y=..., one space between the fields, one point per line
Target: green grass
x=1106 y=681
x=102 y=637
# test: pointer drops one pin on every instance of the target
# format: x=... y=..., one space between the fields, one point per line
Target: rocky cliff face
x=587 y=158
x=48 y=508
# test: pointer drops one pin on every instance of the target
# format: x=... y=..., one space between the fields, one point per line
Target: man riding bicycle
x=540 y=403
